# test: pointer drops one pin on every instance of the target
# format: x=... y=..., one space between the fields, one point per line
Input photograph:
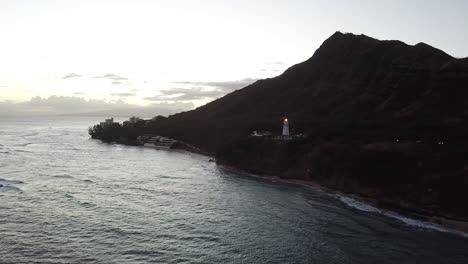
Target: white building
x=286 y=128
x=261 y=134
x=107 y=122
x=134 y=119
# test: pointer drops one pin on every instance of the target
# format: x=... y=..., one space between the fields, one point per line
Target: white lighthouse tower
x=286 y=128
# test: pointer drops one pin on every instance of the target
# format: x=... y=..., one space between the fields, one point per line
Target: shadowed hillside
x=353 y=86
x=384 y=120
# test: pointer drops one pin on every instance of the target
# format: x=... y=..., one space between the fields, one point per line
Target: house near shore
x=107 y=122
x=154 y=141
x=131 y=121
x=261 y=134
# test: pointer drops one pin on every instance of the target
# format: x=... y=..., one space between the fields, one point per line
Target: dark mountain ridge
x=349 y=81
x=384 y=120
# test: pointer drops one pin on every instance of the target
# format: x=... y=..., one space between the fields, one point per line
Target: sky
x=144 y=53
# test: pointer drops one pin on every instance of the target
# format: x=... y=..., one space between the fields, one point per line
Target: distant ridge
x=143 y=112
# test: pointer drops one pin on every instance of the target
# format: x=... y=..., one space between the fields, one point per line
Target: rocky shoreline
x=398 y=206
x=451 y=224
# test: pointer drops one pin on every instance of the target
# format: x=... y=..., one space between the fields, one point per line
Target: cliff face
x=383 y=119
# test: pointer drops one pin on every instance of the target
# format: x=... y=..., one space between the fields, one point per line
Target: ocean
x=65 y=198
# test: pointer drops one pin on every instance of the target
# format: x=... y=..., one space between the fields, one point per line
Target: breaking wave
x=8 y=182
x=406 y=220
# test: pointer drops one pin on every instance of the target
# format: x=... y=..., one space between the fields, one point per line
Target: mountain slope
x=384 y=120
x=350 y=81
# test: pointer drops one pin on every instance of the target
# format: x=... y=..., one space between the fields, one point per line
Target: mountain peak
x=338 y=35
x=348 y=46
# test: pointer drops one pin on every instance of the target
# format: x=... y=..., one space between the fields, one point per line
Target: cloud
x=155 y=98
x=202 y=90
x=224 y=85
x=123 y=94
x=78 y=93
x=111 y=76
x=50 y=105
x=59 y=105
x=182 y=94
x=116 y=79
x=274 y=66
x=270 y=70
x=71 y=75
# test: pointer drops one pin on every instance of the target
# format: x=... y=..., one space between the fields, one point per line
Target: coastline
x=440 y=223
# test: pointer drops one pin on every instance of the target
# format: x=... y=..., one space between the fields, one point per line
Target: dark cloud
x=181 y=94
x=202 y=90
x=51 y=105
x=155 y=98
x=71 y=75
x=226 y=85
x=123 y=94
x=58 y=105
x=111 y=76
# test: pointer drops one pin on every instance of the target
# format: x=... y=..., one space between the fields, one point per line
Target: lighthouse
x=286 y=128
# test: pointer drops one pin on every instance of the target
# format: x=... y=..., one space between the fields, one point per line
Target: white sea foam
x=359 y=205
x=406 y=220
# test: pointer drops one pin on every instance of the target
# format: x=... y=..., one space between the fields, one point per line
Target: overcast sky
x=147 y=52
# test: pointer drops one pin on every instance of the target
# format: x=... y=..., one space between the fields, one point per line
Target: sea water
x=65 y=198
